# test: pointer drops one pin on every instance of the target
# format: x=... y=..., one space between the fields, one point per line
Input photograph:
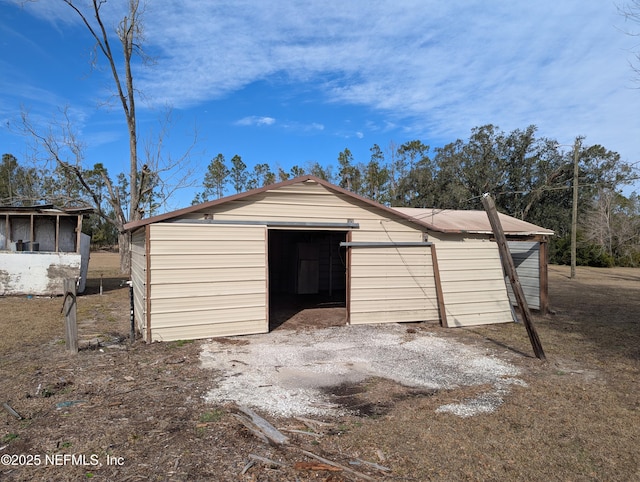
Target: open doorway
x=307 y=278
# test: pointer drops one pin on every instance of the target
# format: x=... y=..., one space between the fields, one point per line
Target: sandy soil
x=117 y=411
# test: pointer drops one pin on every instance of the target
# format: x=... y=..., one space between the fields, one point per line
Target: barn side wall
x=472 y=280
x=139 y=279
x=207 y=280
x=373 y=298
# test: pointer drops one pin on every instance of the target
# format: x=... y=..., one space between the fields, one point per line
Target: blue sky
x=292 y=82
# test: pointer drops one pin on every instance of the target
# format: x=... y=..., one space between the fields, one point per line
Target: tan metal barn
x=528 y=244
x=214 y=269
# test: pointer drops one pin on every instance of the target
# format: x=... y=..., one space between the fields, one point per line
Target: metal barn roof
x=477 y=222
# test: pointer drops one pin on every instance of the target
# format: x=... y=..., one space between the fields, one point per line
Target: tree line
x=22 y=185
x=530 y=177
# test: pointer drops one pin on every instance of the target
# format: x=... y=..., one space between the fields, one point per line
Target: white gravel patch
x=283 y=372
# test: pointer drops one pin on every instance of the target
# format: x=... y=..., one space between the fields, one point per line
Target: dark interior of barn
x=307 y=278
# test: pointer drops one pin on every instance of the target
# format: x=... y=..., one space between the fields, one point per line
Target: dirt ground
x=116 y=411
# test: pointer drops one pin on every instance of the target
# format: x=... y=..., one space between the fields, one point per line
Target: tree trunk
x=124 y=247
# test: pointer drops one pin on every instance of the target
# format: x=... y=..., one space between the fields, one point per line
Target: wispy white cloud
x=438 y=67
x=433 y=69
x=255 y=121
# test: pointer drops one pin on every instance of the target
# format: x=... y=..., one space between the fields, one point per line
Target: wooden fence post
x=69 y=307
x=510 y=268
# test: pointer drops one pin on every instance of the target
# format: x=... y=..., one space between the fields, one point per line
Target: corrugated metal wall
x=526 y=257
x=371 y=270
x=313 y=202
x=373 y=300
x=139 y=279
x=392 y=284
x=207 y=280
x=472 y=280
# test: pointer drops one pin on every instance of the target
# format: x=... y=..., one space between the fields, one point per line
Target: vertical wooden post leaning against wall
x=70 y=322
x=78 y=233
x=510 y=268
x=439 y=292
x=57 y=240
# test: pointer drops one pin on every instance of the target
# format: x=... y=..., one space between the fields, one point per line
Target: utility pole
x=574 y=213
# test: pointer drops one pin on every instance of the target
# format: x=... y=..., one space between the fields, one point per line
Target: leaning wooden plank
x=510 y=269
x=335 y=464
x=269 y=431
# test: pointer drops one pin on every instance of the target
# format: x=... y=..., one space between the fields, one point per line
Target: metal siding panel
x=139 y=278
x=399 y=283
x=167 y=247
x=191 y=332
x=476 y=319
x=185 y=232
x=207 y=275
x=472 y=282
x=203 y=260
x=473 y=298
x=203 y=285
x=315 y=203
x=400 y=287
x=377 y=234
x=195 y=290
x=526 y=256
x=209 y=303
x=473 y=273
x=471 y=286
x=208 y=317
x=480 y=263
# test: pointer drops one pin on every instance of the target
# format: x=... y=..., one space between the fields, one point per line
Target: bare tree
x=152 y=178
x=613 y=223
x=631 y=12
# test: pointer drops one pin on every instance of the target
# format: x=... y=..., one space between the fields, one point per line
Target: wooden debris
x=244 y=421
x=335 y=464
x=315 y=425
x=250 y=464
x=269 y=434
x=266 y=461
x=11 y=411
x=260 y=427
x=316 y=466
x=204 y=424
x=302 y=432
x=372 y=464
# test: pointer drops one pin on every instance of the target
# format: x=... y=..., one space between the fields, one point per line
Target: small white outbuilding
x=40 y=247
x=220 y=268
